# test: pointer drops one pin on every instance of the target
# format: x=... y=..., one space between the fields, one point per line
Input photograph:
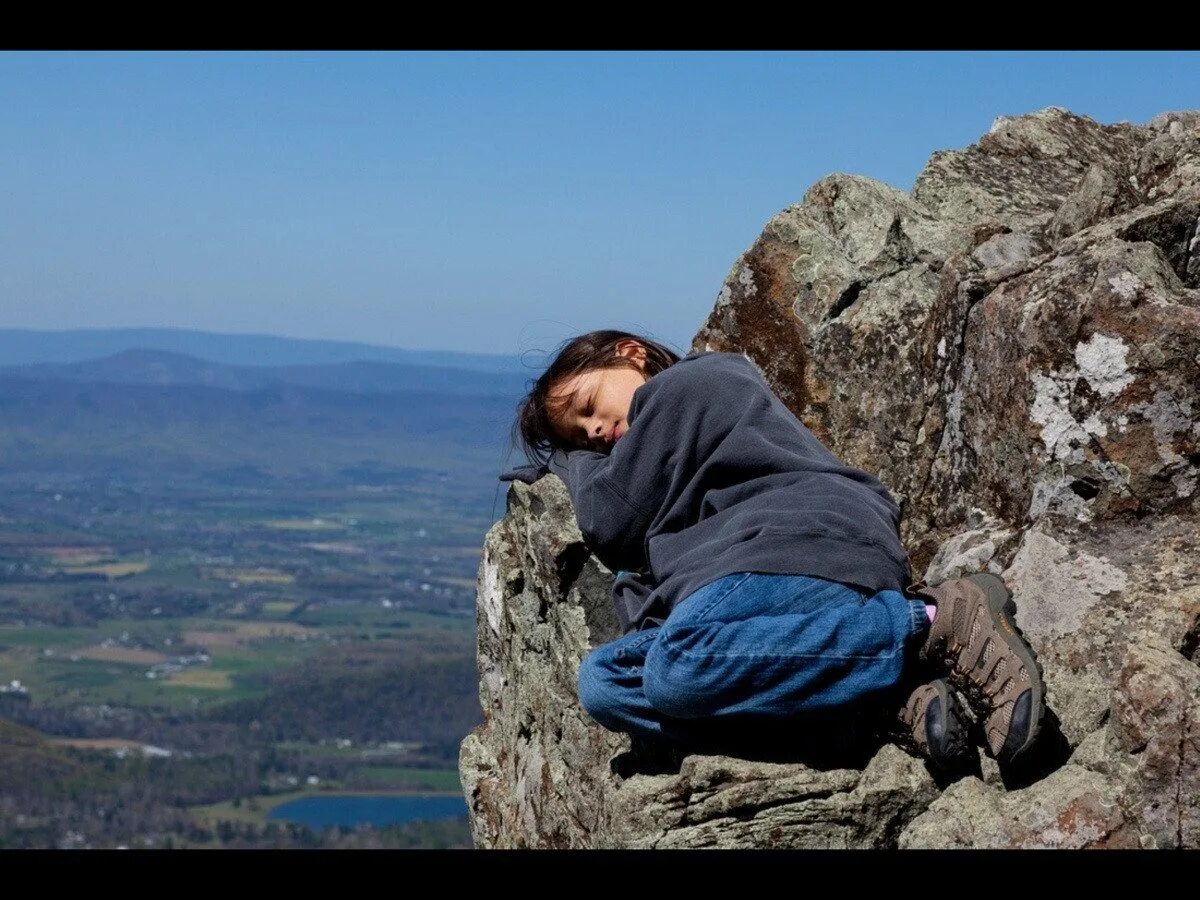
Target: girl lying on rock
x=759 y=576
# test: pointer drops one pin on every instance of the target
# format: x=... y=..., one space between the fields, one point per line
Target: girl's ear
x=634 y=349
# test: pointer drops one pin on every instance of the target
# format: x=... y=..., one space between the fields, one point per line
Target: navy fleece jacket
x=716 y=476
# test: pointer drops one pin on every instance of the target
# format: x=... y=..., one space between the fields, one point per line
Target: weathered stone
x=1073 y=807
x=718 y=801
x=537 y=772
x=1156 y=721
x=984 y=546
x=1102 y=192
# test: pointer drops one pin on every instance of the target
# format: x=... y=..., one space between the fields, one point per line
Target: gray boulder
x=1013 y=348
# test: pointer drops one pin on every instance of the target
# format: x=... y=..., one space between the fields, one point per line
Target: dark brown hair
x=585 y=353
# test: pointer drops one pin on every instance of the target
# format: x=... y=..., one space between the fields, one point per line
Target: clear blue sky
x=481 y=201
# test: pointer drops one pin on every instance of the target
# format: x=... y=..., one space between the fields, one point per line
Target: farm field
x=210 y=644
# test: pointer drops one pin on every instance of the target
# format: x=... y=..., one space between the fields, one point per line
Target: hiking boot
x=931 y=725
x=973 y=634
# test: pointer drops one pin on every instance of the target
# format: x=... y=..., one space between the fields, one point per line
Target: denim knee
x=669 y=687
x=596 y=695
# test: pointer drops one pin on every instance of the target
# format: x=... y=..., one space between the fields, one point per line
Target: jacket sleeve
x=612 y=524
x=631 y=592
x=675 y=419
x=527 y=473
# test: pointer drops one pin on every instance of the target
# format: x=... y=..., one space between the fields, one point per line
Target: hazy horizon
x=167 y=331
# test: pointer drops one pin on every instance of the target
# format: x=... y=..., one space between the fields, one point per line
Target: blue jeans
x=754 y=647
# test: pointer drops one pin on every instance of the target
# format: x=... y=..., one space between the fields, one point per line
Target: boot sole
x=1004 y=609
x=955 y=744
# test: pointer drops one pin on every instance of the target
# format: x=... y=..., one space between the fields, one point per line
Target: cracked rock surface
x=1013 y=348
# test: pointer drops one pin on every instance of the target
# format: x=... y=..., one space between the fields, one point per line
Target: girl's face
x=591 y=410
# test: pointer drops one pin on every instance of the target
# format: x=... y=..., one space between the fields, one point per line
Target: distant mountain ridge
x=181 y=432
x=164 y=368
x=20 y=346
x=144 y=411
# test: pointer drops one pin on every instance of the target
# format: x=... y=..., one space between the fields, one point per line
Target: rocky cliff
x=1013 y=347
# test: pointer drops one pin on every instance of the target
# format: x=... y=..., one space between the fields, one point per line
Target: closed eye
x=587 y=412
